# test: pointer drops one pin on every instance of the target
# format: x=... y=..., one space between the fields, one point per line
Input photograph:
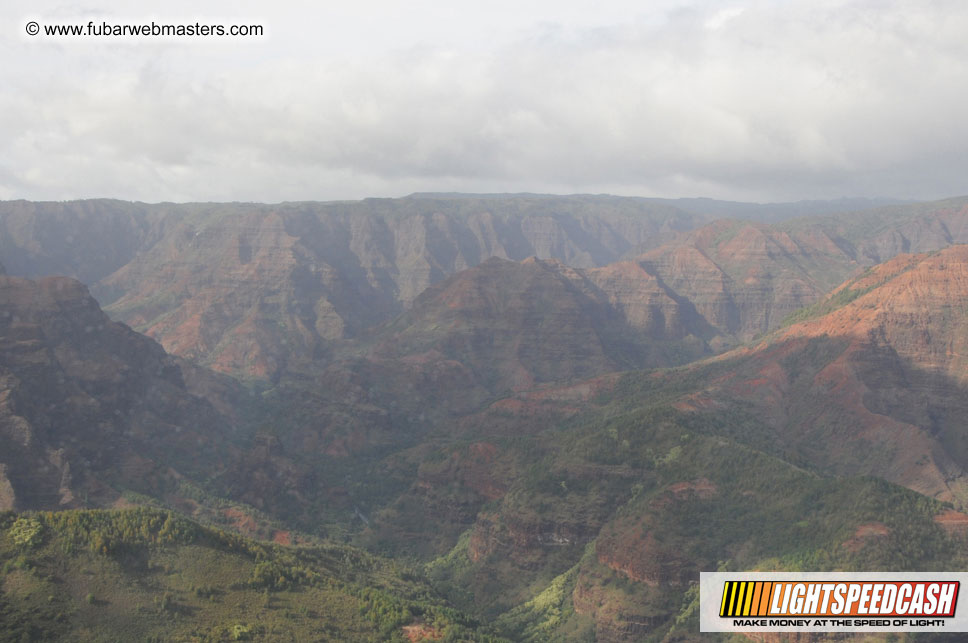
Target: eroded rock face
x=614 y=620
x=526 y=539
x=629 y=545
x=519 y=324
x=877 y=385
x=744 y=278
x=512 y=324
x=257 y=290
x=79 y=393
x=263 y=292
x=645 y=305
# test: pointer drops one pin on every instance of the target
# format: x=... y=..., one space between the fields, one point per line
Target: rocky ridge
x=87 y=405
x=874 y=386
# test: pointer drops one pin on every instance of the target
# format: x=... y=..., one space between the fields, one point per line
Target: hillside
x=89 y=407
x=517 y=324
x=591 y=517
x=378 y=419
x=601 y=500
x=745 y=278
x=511 y=326
x=885 y=354
x=149 y=575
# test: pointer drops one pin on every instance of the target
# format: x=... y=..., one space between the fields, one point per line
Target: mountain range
x=557 y=410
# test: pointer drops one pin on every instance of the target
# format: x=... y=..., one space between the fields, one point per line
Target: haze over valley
x=548 y=412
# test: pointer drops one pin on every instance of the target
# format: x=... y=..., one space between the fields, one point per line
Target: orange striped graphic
x=746 y=598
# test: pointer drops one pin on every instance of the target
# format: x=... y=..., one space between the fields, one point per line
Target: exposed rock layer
x=86 y=402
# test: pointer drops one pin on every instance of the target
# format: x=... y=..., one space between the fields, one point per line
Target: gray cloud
x=758 y=100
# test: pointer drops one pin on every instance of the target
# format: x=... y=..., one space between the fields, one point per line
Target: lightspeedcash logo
x=831 y=602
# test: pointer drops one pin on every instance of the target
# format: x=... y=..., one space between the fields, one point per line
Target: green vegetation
x=147 y=574
x=26 y=532
x=839 y=298
x=836 y=301
x=650 y=495
x=545 y=616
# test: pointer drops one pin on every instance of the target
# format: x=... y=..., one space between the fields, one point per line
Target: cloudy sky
x=748 y=100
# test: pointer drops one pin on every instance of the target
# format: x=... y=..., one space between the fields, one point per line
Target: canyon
x=563 y=407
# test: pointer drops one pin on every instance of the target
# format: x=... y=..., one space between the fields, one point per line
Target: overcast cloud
x=747 y=100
